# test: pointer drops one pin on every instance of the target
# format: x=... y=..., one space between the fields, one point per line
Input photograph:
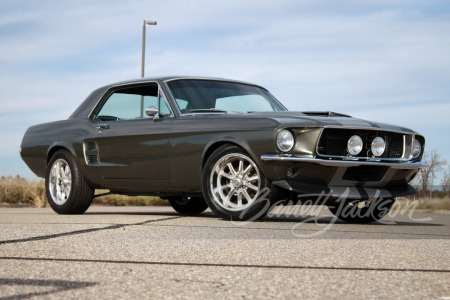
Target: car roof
x=170 y=78
x=87 y=105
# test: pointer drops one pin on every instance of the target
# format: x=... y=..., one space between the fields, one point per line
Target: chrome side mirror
x=151 y=111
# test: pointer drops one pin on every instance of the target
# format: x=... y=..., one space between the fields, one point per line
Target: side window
x=130 y=103
x=182 y=104
x=163 y=108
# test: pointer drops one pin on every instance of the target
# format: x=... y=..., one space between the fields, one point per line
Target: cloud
x=376 y=59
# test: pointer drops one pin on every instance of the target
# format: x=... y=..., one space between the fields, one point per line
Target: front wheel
x=67 y=191
x=361 y=211
x=233 y=185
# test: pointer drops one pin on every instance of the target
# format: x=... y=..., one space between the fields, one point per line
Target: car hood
x=321 y=119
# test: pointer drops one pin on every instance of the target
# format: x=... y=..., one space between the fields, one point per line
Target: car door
x=131 y=146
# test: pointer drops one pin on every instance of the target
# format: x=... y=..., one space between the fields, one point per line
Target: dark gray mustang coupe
x=223 y=144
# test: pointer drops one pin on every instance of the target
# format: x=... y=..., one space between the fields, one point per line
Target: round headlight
x=378 y=146
x=354 y=145
x=285 y=140
x=417 y=149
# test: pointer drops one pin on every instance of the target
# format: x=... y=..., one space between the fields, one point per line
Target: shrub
x=19 y=190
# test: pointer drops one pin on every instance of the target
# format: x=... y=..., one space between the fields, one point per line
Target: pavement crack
x=225 y=265
x=83 y=231
x=304 y=229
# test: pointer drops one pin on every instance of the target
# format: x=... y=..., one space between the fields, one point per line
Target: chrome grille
x=333 y=143
x=396 y=148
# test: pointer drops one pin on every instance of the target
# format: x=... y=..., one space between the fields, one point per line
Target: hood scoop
x=324 y=114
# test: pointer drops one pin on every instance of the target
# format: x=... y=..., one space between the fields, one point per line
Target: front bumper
x=344 y=163
x=344 y=192
x=352 y=179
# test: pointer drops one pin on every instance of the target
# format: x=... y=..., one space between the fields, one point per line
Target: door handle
x=102 y=126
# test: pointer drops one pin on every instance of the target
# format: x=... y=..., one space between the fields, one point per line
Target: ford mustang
x=223 y=144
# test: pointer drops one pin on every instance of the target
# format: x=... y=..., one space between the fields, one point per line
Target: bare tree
x=445 y=182
x=426 y=176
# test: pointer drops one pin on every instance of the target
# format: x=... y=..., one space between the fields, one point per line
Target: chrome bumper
x=344 y=163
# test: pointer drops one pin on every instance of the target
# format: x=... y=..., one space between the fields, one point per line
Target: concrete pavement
x=153 y=252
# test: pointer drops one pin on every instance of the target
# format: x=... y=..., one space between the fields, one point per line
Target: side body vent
x=91 y=154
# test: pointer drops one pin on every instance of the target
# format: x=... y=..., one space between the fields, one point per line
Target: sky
x=386 y=61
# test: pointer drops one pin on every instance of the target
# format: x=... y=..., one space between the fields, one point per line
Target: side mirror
x=151 y=111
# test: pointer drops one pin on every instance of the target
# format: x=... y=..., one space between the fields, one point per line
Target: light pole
x=143 y=59
x=143 y=44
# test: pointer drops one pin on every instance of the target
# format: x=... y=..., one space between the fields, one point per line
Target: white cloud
x=376 y=59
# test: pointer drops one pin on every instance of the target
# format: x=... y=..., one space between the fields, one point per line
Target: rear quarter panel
x=39 y=142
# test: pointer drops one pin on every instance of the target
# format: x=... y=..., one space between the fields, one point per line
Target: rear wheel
x=188 y=205
x=361 y=211
x=233 y=185
x=67 y=191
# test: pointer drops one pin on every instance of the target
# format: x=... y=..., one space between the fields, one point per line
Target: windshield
x=197 y=96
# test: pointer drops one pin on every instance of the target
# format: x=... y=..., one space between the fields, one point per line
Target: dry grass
x=121 y=200
x=17 y=190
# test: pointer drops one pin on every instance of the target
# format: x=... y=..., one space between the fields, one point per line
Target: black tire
x=66 y=188
x=354 y=212
x=231 y=204
x=188 y=205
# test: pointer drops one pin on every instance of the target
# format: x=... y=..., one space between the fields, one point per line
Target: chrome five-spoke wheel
x=60 y=181
x=66 y=188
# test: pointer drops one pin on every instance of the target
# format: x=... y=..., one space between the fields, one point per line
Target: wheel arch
x=214 y=145
x=57 y=147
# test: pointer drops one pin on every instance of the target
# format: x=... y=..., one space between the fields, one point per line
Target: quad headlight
x=354 y=145
x=417 y=149
x=285 y=140
x=378 y=146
